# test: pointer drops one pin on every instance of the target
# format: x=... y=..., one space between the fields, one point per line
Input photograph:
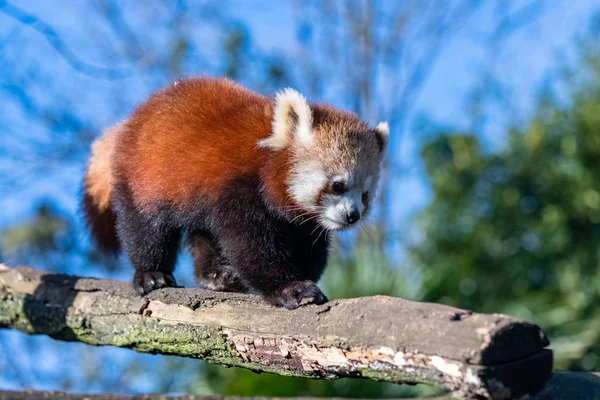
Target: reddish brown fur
x=198 y=133
x=278 y=165
x=193 y=160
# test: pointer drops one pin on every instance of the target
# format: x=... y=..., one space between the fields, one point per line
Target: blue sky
x=524 y=62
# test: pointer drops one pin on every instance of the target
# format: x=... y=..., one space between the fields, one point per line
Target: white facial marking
x=340 y=178
x=333 y=213
x=337 y=207
x=306 y=183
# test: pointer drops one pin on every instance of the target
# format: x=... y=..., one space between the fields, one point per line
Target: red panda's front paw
x=146 y=281
x=296 y=294
x=226 y=279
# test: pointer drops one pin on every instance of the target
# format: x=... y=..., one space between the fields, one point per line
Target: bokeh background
x=491 y=197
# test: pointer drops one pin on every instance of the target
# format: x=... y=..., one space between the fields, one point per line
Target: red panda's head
x=335 y=158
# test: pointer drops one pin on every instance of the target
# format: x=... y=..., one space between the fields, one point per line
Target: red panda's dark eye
x=365 y=196
x=338 y=187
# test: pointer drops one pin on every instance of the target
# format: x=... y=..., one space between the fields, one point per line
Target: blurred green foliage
x=518 y=231
x=44 y=233
x=50 y=239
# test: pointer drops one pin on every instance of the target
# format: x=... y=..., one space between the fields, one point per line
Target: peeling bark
x=382 y=338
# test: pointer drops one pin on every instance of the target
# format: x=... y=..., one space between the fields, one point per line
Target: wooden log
x=382 y=338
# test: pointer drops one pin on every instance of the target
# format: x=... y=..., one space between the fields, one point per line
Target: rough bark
x=382 y=338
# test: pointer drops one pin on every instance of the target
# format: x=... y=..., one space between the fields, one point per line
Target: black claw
x=170 y=280
x=139 y=289
x=291 y=305
x=225 y=279
x=161 y=282
x=323 y=299
x=146 y=281
x=297 y=294
x=149 y=285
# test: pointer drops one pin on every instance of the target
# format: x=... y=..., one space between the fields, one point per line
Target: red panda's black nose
x=353 y=216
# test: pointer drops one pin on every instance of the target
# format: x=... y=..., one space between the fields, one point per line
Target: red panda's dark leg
x=268 y=261
x=212 y=271
x=153 y=257
x=272 y=256
x=151 y=242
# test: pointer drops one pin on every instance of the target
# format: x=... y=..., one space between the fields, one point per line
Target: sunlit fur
x=247 y=179
x=98 y=191
x=292 y=120
x=338 y=148
x=99 y=179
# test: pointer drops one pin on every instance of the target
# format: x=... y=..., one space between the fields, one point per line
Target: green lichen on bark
x=12 y=314
x=393 y=340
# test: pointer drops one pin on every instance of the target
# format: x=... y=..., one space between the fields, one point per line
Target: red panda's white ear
x=383 y=135
x=292 y=120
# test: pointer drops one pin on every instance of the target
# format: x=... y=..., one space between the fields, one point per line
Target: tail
x=98 y=189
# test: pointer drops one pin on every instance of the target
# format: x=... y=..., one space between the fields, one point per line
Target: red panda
x=255 y=184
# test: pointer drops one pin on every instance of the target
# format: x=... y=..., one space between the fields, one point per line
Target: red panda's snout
x=345 y=204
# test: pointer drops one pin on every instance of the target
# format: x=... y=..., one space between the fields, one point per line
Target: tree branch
x=382 y=338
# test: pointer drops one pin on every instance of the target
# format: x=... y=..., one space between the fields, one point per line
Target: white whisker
x=309 y=219
x=300 y=216
x=319 y=236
